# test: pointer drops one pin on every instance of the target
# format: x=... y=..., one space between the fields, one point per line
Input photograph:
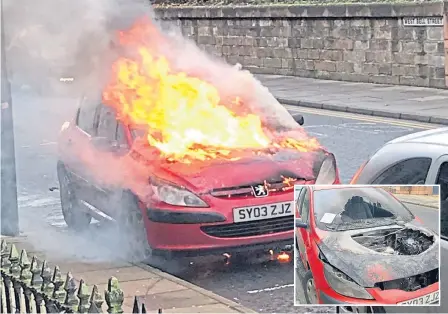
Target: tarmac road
x=429 y=217
x=264 y=288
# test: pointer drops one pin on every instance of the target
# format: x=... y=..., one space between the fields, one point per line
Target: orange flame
x=288 y=181
x=283 y=257
x=184 y=116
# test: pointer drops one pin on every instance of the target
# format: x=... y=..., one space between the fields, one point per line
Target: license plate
x=430 y=298
x=260 y=212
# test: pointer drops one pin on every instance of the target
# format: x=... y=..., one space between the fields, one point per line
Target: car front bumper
x=187 y=237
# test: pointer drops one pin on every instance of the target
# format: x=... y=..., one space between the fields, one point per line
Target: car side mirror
x=300 y=224
x=298 y=118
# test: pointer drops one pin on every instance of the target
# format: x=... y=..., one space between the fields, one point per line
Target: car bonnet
x=367 y=267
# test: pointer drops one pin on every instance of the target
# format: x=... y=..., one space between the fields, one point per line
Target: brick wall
x=362 y=43
x=412 y=190
x=445 y=26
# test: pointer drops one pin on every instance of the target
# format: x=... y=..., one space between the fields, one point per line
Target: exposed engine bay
x=412 y=283
x=397 y=241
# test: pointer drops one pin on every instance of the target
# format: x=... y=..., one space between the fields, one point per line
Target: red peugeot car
x=361 y=246
x=108 y=170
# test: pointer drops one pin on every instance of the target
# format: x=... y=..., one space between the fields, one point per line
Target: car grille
x=412 y=283
x=251 y=228
x=274 y=187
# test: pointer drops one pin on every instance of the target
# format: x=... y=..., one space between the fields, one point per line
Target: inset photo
x=368 y=247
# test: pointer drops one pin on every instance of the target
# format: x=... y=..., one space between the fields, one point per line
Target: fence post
x=14 y=269
x=96 y=300
x=71 y=301
x=25 y=279
x=4 y=254
x=3 y=305
x=83 y=296
x=114 y=296
x=36 y=280
x=58 y=293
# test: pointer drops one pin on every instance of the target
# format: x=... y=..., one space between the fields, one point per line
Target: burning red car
x=185 y=170
x=361 y=246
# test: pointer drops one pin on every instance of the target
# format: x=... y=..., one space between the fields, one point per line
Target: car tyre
x=75 y=216
x=134 y=238
x=309 y=288
x=131 y=227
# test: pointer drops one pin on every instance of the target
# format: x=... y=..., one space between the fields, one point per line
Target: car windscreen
x=357 y=208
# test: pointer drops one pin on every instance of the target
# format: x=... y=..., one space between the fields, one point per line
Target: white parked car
x=418 y=158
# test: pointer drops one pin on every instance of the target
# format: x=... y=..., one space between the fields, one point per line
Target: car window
x=356 y=208
x=442 y=179
x=305 y=207
x=86 y=118
x=107 y=124
x=410 y=171
x=299 y=201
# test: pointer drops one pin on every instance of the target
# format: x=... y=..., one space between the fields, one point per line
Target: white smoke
x=62 y=50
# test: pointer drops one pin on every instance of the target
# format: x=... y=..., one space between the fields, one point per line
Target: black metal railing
x=32 y=286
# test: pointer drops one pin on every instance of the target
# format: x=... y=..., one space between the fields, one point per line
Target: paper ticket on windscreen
x=327 y=218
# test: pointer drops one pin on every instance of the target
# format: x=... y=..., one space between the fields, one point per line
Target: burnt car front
x=240 y=205
x=372 y=249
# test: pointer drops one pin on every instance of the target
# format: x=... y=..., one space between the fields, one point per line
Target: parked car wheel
x=75 y=217
x=309 y=287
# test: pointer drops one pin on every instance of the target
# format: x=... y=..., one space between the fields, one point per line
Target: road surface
x=264 y=288
x=429 y=217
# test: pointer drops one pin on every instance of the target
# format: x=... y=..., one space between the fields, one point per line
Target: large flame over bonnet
x=184 y=117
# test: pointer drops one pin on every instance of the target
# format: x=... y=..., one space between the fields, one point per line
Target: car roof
x=437 y=136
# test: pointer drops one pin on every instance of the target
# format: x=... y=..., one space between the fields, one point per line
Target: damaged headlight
x=344 y=285
x=175 y=195
x=327 y=173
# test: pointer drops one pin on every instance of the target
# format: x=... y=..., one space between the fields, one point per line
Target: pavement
x=264 y=288
x=157 y=289
x=392 y=101
x=431 y=201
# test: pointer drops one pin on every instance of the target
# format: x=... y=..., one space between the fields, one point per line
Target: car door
x=85 y=129
x=303 y=236
x=105 y=141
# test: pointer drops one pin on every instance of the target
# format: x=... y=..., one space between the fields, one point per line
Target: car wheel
x=134 y=238
x=74 y=215
x=360 y=309
x=131 y=227
x=309 y=287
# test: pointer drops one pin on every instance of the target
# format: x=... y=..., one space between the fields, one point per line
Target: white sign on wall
x=423 y=21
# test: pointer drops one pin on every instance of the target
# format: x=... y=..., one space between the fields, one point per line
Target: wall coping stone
x=358 y=10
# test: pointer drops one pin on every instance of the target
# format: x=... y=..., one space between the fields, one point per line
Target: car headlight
x=176 y=195
x=327 y=171
x=344 y=285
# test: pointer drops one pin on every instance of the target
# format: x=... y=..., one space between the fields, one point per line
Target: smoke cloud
x=47 y=40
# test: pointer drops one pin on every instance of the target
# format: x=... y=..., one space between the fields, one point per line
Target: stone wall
x=411 y=190
x=446 y=41
x=358 y=42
